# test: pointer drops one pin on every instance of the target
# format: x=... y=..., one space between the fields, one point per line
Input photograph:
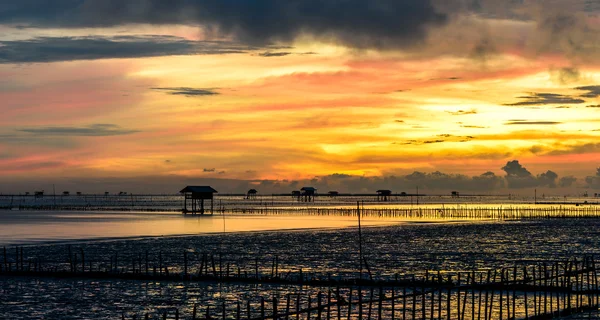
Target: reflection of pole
x=535 y=196
x=360 y=255
x=54 y=194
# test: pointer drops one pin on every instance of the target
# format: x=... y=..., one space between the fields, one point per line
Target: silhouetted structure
x=403 y=194
x=296 y=194
x=455 y=194
x=333 y=194
x=106 y=193
x=196 y=196
x=384 y=195
x=39 y=194
x=308 y=193
x=66 y=193
x=251 y=194
x=78 y=193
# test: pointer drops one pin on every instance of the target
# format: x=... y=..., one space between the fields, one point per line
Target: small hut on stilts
x=195 y=196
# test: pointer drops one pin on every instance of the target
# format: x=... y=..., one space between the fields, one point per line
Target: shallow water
x=30 y=227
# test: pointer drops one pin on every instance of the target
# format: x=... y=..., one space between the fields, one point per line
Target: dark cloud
x=95 y=130
x=274 y=54
x=567 y=181
x=566 y=75
x=547 y=179
x=357 y=23
x=581 y=148
x=189 y=92
x=525 y=122
x=29 y=166
x=472 y=127
x=593 y=181
x=515 y=169
x=52 y=49
x=592 y=91
x=535 y=99
x=462 y=112
x=518 y=177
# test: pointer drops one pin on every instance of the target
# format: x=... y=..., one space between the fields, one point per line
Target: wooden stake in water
x=360 y=255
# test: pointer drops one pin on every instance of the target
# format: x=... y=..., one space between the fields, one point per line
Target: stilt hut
x=455 y=194
x=251 y=194
x=196 y=195
x=308 y=193
x=333 y=194
x=384 y=195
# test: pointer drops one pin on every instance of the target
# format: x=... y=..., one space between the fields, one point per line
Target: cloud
x=548 y=179
x=525 y=122
x=52 y=49
x=565 y=75
x=567 y=181
x=592 y=91
x=462 y=112
x=189 y=92
x=269 y=54
x=364 y=24
x=518 y=177
x=593 y=181
x=473 y=127
x=535 y=99
x=515 y=169
x=95 y=130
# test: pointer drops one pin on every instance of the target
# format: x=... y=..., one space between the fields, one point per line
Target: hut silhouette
x=251 y=194
x=196 y=196
x=384 y=195
x=308 y=193
x=333 y=194
x=455 y=194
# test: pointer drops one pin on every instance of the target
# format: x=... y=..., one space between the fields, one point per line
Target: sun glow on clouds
x=295 y=110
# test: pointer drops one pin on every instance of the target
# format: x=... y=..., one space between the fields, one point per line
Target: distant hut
x=106 y=193
x=39 y=194
x=308 y=193
x=333 y=194
x=455 y=194
x=384 y=195
x=196 y=196
x=78 y=193
x=296 y=194
x=26 y=193
x=66 y=193
x=403 y=194
x=251 y=194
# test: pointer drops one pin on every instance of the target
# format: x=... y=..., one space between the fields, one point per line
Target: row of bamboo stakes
x=450 y=212
x=537 y=292
x=534 y=291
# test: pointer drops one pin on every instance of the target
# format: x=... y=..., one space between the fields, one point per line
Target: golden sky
x=207 y=97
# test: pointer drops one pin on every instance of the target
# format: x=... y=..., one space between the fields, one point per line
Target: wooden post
x=185 y=265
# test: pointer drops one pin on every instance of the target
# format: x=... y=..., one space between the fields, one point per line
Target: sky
x=355 y=95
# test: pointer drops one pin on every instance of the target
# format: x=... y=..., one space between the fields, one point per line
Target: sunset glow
x=483 y=88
